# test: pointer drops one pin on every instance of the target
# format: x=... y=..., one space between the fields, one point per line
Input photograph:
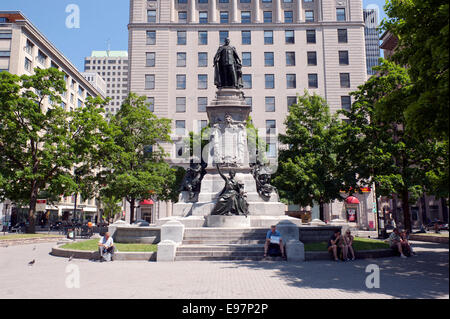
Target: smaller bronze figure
x=227 y=67
x=192 y=180
x=232 y=200
x=262 y=180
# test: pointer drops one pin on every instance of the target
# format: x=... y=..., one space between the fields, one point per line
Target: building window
x=202 y=59
x=247 y=81
x=291 y=100
x=270 y=104
x=80 y=103
x=180 y=127
x=28 y=46
x=267 y=16
x=289 y=36
x=202 y=37
x=271 y=126
x=268 y=59
x=181 y=81
x=224 y=1
x=150 y=59
x=222 y=36
x=246 y=37
x=151 y=16
x=27 y=64
x=343 y=58
x=246 y=17
x=182 y=17
x=346 y=103
x=203 y=17
x=288 y=17
x=42 y=58
x=313 y=81
x=181 y=37
x=151 y=104
x=224 y=17
x=268 y=37
x=202 y=102
x=291 y=81
x=5 y=34
x=310 y=36
x=269 y=80
x=183 y=1
x=201 y=125
x=309 y=15
x=246 y=59
x=249 y=101
x=181 y=59
x=342 y=35
x=245 y=1
x=345 y=80
x=340 y=14
x=181 y=105
x=202 y=81
x=290 y=58
x=312 y=58
x=200 y=1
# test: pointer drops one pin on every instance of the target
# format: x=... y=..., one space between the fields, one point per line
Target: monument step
x=222 y=241
x=229 y=258
x=221 y=253
x=228 y=248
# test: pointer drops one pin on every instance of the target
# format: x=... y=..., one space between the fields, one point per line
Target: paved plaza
x=424 y=276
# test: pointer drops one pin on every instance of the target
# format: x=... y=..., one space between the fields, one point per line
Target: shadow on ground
x=422 y=276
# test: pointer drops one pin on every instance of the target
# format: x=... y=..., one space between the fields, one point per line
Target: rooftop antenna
x=108 y=42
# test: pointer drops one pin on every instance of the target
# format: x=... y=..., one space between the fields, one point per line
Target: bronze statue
x=262 y=179
x=232 y=200
x=227 y=67
x=192 y=179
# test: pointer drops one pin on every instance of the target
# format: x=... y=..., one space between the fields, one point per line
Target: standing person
x=348 y=245
x=106 y=247
x=273 y=237
x=335 y=244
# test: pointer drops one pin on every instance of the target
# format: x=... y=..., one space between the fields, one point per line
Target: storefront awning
x=147 y=202
x=352 y=200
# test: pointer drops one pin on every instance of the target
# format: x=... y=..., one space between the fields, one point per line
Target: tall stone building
x=287 y=46
x=372 y=37
x=112 y=66
x=22 y=49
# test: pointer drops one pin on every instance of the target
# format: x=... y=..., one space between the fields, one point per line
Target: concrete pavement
x=424 y=276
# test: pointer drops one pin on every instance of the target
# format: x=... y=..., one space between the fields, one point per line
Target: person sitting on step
x=274 y=243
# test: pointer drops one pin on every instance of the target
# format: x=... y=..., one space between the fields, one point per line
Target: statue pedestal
x=228 y=221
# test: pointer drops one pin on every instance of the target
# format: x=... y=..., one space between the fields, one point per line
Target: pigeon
x=70 y=258
x=34 y=248
x=31 y=263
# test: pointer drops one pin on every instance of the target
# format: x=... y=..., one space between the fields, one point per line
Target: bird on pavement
x=31 y=263
x=34 y=248
x=70 y=258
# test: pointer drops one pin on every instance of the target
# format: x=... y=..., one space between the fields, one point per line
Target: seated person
x=335 y=244
x=273 y=238
x=348 y=245
x=407 y=248
x=395 y=242
x=106 y=247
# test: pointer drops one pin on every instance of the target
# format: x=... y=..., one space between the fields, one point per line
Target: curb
x=83 y=254
x=362 y=254
x=429 y=239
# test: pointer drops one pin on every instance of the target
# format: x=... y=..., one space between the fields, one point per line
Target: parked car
x=441 y=226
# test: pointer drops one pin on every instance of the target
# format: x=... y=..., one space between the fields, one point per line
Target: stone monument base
x=228 y=221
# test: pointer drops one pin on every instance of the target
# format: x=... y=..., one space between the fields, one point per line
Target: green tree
x=40 y=146
x=376 y=146
x=138 y=169
x=307 y=168
x=422 y=27
x=111 y=207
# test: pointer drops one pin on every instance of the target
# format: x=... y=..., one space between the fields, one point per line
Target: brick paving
x=424 y=276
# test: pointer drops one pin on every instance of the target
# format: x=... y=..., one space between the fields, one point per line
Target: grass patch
x=92 y=245
x=27 y=236
x=358 y=244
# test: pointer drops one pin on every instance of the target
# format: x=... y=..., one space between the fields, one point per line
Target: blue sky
x=100 y=21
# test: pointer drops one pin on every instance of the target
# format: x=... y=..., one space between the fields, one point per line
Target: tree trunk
x=405 y=208
x=32 y=212
x=132 y=205
x=321 y=211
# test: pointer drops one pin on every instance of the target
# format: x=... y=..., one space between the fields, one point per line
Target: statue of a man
x=227 y=67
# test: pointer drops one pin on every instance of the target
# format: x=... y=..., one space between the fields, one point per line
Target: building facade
x=112 y=66
x=287 y=46
x=372 y=38
x=22 y=49
x=96 y=81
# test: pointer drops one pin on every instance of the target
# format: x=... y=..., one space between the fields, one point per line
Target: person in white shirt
x=106 y=247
